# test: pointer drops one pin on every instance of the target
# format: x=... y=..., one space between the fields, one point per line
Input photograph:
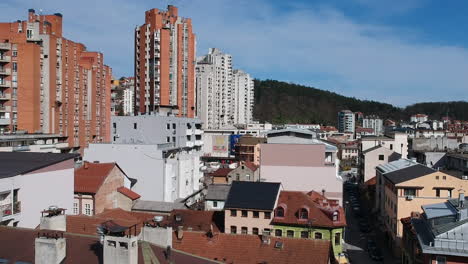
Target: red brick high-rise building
x=165 y=63
x=50 y=84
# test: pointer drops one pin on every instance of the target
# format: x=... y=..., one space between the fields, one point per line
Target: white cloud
x=317 y=46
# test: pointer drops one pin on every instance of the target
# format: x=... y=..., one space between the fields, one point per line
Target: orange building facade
x=50 y=84
x=165 y=63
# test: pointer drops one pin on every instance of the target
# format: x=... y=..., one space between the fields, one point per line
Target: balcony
x=190 y=144
x=4 y=121
x=7 y=211
x=5 y=71
x=5 y=84
x=189 y=132
x=198 y=143
x=198 y=131
x=5 y=96
x=5 y=59
x=5 y=46
x=5 y=108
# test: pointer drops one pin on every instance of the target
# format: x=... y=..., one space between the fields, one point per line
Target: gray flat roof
x=217 y=192
x=17 y=163
x=155 y=206
x=439 y=210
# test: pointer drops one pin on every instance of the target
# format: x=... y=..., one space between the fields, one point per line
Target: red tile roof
x=83 y=224
x=320 y=210
x=198 y=220
x=371 y=181
x=129 y=193
x=251 y=165
x=18 y=245
x=90 y=176
x=247 y=249
x=221 y=172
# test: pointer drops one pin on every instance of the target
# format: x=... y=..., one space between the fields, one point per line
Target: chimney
x=53 y=219
x=461 y=198
x=323 y=192
x=120 y=247
x=157 y=233
x=180 y=232
x=50 y=248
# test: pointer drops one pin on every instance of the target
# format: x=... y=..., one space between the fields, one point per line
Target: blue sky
x=395 y=51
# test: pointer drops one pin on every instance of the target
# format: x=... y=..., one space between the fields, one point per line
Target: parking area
x=363 y=242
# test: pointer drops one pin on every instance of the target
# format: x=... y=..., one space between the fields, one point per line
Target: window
x=114 y=125
x=244 y=230
x=337 y=239
x=75 y=208
x=304 y=234
x=87 y=209
x=290 y=233
x=247 y=177
x=410 y=192
x=278 y=232
x=174 y=126
x=318 y=235
x=255 y=230
x=437 y=177
x=441 y=260
x=168 y=126
x=449 y=193
x=279 y=212
x=215 y=204
x=267 y=215
x=233 y=212
x=244 y=213
x=134 y=125
x=444 y=177
x=437 y=192
x=29 y=33
x=381 y=157
x=14 y=53
x=336 y=216
x=391 y=146
x=173 y=139
x=15 y=67
x=256 y=214
x=237 y=176
x=303 y=214
x=168 y=139
x=233 y=229
x=123 y=245
x=266 y=231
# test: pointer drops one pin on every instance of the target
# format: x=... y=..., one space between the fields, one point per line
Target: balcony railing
x=5 y=84
x=10 y=209
x=5 y=96
x=5 y=71
x=5 y=46
x=5 y=108
x=5 y=58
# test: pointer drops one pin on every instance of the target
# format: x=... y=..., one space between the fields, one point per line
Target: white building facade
x=375 y=123
x=225 y=96
x=346 y=121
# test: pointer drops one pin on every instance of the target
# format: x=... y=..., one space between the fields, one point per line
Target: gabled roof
x=320 y=215
x=395 y=165
x=252 y=195
x=218 y=192
x=248 y=249
x=408 y=173
x=251 y=165
x=197 y=220
x=89 y=178
x=17 y=163
x=221 y=172
x=129 y=193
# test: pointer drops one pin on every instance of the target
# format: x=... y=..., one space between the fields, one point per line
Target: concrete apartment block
x=165 y=63
x=68 y=87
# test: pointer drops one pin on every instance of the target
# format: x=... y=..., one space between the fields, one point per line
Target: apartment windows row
x=254 y=214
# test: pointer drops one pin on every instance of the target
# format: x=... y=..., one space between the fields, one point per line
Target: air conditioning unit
x=465 y=177
x=409 y=197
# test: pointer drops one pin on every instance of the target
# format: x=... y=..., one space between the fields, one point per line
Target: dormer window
x=303 y=213
x=336 y=216
x=279 y=212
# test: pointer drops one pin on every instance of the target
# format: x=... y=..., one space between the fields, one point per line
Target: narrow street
x=356 y=240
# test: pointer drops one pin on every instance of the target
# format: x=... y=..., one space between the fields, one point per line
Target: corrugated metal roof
x=396 y=165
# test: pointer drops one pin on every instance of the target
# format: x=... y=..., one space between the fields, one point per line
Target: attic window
x=336 y=216
x=279 y=212
x=303 y=214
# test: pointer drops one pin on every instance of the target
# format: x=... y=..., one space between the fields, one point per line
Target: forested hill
x=280 y=102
